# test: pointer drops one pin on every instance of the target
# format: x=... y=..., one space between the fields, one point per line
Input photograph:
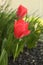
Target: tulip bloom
x=21 y=11
x=21 y=28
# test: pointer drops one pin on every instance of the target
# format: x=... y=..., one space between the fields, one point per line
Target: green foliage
x=35 y=32
x=6 y=18
x=4 y=58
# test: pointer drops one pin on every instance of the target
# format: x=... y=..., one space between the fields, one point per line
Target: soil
x=32 y=56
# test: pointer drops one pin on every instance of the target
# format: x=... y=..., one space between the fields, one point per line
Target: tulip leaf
x=4 y=58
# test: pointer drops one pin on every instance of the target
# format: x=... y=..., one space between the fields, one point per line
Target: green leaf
x=4 y=58
x=19 y=48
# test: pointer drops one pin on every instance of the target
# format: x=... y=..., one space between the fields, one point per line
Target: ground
x=32 y=56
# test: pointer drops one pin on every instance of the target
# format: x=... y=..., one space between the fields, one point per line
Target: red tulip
x=21 y=29
x=21 y=12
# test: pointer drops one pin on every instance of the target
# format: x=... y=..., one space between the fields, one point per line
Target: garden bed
x=32 y=56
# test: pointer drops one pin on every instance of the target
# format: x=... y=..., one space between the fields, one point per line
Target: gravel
x=32 y=56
